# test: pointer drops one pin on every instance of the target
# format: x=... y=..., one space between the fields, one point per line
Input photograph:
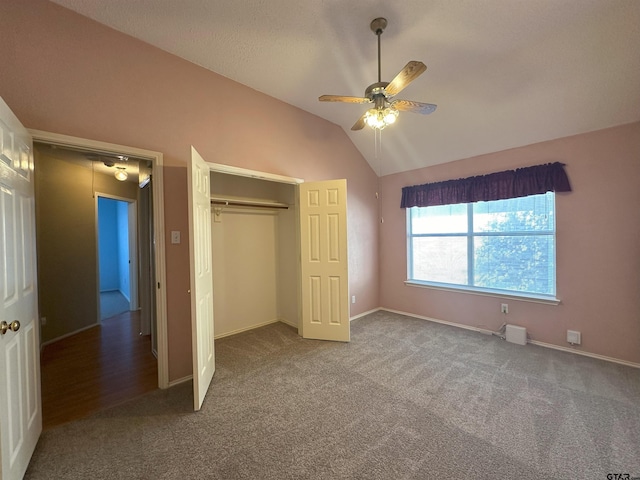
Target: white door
x=21 y=414
x=324 y=262
x=201 y=277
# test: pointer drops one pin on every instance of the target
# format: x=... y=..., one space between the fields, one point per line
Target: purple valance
x=521 y=182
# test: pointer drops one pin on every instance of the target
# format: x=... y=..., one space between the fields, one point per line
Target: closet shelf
x=246 y=202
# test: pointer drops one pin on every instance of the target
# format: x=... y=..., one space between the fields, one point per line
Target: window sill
x=548 y=300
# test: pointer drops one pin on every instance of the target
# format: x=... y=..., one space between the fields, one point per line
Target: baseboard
x=364 y=314
x=188 y=378
x=584 y=354
x=291 y=324
x=240 y=330
x=49 y=342
x=173 y=383
x=533 y=342
x=443 y=322
x=125 y=296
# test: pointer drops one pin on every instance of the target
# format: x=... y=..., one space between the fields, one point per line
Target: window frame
x=470 y=235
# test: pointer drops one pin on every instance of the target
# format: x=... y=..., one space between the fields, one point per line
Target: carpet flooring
x=112 y=303
x=405 y=399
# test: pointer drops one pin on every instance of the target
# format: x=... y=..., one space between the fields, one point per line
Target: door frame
x=156 y=158
x=245 y=172
x=132 y=245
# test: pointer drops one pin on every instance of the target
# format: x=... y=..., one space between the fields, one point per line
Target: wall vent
x=516 y=334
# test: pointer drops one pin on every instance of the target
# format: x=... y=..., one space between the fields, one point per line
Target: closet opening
x=255 y=253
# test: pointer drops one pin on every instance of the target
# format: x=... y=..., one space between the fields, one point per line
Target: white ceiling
x=504 y=73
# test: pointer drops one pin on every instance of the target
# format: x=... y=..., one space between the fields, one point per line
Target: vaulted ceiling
x=504 y=73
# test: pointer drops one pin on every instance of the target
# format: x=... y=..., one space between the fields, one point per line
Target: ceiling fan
x=386 y=109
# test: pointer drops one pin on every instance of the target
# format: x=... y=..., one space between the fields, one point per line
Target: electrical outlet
x=43 y=320
x=504 y=308
x=353 y=299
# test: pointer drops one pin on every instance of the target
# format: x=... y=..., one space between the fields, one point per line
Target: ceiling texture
x=504 y=73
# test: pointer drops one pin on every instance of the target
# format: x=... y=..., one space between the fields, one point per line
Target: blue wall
x=123 y=249
x=108 y=244
x=113 y=245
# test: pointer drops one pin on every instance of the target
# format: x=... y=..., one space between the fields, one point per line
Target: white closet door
x=324 y=262
x=201 y=277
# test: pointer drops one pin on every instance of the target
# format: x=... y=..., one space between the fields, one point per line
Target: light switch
x=175 y=236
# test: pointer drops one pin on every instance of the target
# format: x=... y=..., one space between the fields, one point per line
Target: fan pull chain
x=378 y=156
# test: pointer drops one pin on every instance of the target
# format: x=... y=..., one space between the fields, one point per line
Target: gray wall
x=66 y=238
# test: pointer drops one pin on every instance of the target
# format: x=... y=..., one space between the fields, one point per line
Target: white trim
x=364 y=314
x=173 y=383
x=134 y=261
x=486 y=293
x=533 y=342
x=585 y=354
x=244 y=172
x=91 y=145
x=287 y=322
x=443 y=322
x=158 y=226
x=245 y=329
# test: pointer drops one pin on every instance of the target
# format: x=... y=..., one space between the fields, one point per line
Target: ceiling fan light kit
x=386 y=109
x=379 y=119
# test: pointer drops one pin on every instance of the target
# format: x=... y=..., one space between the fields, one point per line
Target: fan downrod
x=377 y=26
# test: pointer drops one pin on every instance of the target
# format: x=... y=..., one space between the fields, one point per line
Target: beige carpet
x=406 y=399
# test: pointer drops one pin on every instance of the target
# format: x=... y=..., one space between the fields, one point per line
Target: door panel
x=324 y=262
x=201 y=277
x=21 y=420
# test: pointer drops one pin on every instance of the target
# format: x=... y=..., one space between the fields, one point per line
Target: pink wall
x=598 y=246
x=67 y=74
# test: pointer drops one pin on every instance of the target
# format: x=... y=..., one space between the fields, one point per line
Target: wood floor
x=96 y=369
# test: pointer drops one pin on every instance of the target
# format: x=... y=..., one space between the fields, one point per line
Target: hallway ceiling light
x=121 y=174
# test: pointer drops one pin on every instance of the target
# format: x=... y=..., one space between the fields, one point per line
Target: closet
x=255 y=252
x=263 y=248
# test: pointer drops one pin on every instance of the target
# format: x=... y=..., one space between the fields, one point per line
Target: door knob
x=13 y=326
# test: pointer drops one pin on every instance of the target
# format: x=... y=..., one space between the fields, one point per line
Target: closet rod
x=235 y=203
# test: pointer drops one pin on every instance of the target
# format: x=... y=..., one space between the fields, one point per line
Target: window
x=503 y=245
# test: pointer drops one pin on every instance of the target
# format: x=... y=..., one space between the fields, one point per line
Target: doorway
x=117 y=256
x=84 y=189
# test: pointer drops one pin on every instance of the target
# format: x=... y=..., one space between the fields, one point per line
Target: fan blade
x=338 y=98
x=415 y=107
x=408 y=74
x=359 y=125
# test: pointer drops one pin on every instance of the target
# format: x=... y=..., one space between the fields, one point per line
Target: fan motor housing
x=376 y=89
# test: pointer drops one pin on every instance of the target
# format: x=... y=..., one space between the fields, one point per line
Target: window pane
x=440 y=259
x=440 y=219
x=520 y=263
x=532 y=213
